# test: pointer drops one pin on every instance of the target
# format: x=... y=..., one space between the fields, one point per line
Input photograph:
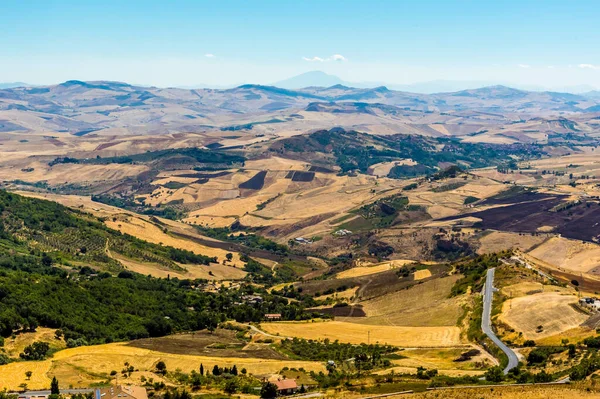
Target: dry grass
x=440 y=358
x=359 y=333
x=85 y=365
x=14 y=346
x=498 y=241
x=530 y=288
x=551 y=310
x=72 y=173
x=518 y=392
x=423 y=305
x=568 y=254
x=574 y=335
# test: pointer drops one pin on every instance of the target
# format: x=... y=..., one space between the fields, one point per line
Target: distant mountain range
x=10 y=85
x=104 y=107
x=322 y=79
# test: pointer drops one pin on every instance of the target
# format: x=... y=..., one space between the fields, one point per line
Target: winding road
x=486 y=323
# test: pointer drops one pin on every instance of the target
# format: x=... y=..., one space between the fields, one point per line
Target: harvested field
x=551 y=310
x=423 y=305
x=526 y=288
x=357 y=333
x=568 y=254
x=94 y=363
x=376 y=268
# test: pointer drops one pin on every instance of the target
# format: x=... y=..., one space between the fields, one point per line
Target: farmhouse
x=591 y=303
x=273 y=316
x=121 y=392
x=286 y=386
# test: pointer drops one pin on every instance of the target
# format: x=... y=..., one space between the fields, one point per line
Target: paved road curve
x=486 y=324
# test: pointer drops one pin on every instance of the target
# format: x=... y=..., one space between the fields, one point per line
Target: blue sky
x=179 y=43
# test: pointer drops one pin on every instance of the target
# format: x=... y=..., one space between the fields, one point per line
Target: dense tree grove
x=90 y=307
x=105 y=309
x=326 y=350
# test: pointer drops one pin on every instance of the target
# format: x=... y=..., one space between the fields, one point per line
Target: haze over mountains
x=485 y=114
x=321 y=79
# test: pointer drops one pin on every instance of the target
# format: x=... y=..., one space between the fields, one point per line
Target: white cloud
x=209 y=55
x=338 y=57
x=589 y=66
x=524 y=66
x=313 y=59
x=335 y=57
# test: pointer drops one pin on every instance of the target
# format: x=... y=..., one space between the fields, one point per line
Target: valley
x=336 y=236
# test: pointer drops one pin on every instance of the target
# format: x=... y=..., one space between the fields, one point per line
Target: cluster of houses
x=590 y=303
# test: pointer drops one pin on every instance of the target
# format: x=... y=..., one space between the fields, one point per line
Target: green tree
x=494 y=374
x=201 y=369
x=234 y=370
x=216 y=370
x=28 y=374
x=35 y=351
x=231 y=386
x=268 y=390
x=161 y=368
x=47 y=260
x=54 y=390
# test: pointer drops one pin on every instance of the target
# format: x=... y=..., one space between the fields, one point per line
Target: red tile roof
x=285 y=384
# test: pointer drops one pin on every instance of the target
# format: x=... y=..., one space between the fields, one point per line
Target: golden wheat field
x=94 y=363
x=360 y=333
x=365 y=270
